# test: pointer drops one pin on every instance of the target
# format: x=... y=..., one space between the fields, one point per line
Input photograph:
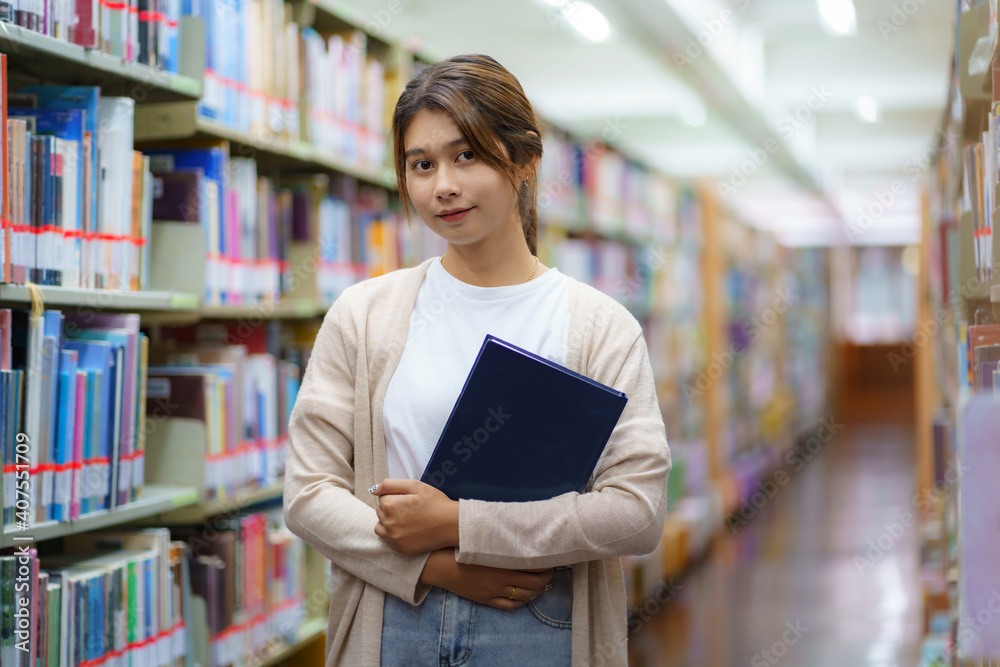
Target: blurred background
x=794 y=197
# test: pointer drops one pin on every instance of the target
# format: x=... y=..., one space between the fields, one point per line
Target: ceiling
x=768 y=62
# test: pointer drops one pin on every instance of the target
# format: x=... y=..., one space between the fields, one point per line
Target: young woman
x=419 y=579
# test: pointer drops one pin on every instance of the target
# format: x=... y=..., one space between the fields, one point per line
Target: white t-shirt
x=449 y=321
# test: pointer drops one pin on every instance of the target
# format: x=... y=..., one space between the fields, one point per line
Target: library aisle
x=792 y=573
x=792 y=200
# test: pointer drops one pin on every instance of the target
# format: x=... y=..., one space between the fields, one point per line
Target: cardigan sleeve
x=622 y=514
x=319 y=502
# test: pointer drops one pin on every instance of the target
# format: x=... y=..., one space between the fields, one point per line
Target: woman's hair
x=489 y=106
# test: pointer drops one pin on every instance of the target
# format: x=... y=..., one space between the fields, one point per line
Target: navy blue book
x=523 y=428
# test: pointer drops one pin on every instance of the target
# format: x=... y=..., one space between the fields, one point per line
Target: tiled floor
x=825 y=575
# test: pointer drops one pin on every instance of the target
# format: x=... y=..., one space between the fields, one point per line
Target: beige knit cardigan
x=337 y=451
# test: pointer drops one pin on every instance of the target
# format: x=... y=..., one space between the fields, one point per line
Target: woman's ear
x=532 y=165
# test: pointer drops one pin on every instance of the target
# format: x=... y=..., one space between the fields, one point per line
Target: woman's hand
x=486 y=585
x=414 y=517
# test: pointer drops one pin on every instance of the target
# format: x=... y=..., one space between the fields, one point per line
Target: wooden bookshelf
x=155 y=498
x=40 y=57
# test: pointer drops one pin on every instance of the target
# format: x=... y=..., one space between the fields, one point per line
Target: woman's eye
x=418 y=167
x=466 y=153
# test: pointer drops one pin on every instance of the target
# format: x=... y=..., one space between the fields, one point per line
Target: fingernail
x=373 y=489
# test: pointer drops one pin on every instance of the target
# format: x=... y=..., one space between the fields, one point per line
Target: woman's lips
x=455 y=217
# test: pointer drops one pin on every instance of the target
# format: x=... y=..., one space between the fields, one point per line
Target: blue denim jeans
x=446 y=630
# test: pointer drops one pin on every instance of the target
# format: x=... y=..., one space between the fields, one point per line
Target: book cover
x=105 y=354
x=66 y=414
x=84 y=404
x=54 y=631
x=517 y=406
x=177 y=195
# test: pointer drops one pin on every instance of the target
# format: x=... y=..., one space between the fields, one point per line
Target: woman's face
x=445 y=177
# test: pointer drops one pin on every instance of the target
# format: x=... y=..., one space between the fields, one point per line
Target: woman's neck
x=493 y=269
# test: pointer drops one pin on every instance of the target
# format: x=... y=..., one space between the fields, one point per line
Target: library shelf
x=155 y=498
x=268 y=310
x=200 y=512
x=99 y=299
x=156 y=123
x=308 y=631
x=41 y=55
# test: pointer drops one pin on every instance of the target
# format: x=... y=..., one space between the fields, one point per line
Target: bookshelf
x=158 y=124
x=156 y=498
x=956 y=404
x=37 y=56
x=101 y=299
x=202 y=512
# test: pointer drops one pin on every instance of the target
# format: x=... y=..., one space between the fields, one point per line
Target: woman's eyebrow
x=421 y=151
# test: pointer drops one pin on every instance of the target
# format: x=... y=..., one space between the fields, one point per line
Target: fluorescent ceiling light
x=838 y=16
x=867 y=108
x=587 y=20
x=693 y=114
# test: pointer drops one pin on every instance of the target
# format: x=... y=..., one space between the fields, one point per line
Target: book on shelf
x=984 y=350
x=242 y=394
x=268 y=238
x=72 y=388
x=347 y=118
x=108 y=596
x=251 y=577
x=143 y=31
x=145 y=596
x=70 y=157
x=321 y=234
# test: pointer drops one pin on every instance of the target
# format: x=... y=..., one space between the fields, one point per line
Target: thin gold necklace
x=530 y=276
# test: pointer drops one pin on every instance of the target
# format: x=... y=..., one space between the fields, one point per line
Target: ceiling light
x=694 y=114
x=838 y=16
x=587 y=20
x=867 y=108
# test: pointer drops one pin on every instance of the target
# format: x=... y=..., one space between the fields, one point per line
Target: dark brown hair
x=489 y=106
